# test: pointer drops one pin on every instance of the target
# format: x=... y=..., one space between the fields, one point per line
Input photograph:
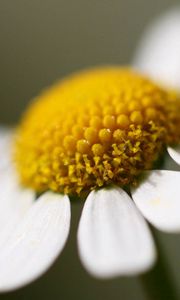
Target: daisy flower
x=96 y=135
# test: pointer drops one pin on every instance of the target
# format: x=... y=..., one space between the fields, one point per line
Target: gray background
x=42 y=40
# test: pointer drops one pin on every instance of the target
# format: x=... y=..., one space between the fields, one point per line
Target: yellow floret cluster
x=95 y=128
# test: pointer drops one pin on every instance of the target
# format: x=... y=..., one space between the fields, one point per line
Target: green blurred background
x=42 y=40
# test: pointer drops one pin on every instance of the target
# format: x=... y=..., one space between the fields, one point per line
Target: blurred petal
x=113 y=238
x=158 y=199
x=175 y=153
x=36 y=242
x=158 y=52
x=5 y=149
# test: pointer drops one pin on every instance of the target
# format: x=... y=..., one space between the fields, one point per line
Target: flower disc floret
x=95 y=128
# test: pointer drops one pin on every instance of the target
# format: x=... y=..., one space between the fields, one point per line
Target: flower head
x=93 y=129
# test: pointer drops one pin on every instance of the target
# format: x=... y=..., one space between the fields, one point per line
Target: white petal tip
x=158 y=199
x=113 y=238
x=157 y=54
x=175 y=153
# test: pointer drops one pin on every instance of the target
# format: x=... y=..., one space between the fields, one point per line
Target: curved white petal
x=158 y=52
x=158 y=198
x=36 y=242
x=113 y=238
x=175 y=153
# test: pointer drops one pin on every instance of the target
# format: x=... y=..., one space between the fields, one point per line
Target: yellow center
x=95 y=128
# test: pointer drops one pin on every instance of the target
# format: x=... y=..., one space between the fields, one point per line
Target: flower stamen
x=95 y=128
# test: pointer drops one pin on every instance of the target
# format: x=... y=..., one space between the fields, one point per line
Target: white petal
x=113 y=238
x=36 y=242
x=158 y=198
x=14 y=203
x=175 y=153
x=158 y=52
x=5 y=149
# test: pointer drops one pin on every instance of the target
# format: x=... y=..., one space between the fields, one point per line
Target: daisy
x=95 y=135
